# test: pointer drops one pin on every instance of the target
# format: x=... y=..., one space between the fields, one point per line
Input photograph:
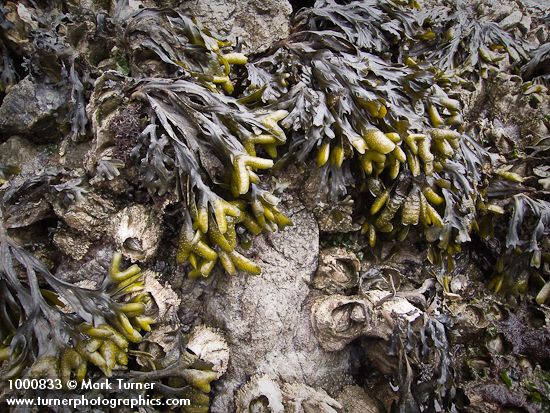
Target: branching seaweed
x=211 y=141
x=201 y=145
x=181 y=44
x=181 y=374
x=372 y=25
x=429 y=382
x=536 y=69
x=458 y=37
x=392 y=131
x=78 y=116
x=539 y=212
x=59 y=330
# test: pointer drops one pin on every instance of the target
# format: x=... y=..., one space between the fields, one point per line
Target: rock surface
x=355 y=400
x=266 y=318
x=21 y=153
x=30 y=109
x=257 y=23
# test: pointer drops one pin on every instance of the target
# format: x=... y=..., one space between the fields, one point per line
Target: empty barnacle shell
x=470 y=316
x=164 y=304
x=337 y=320
x=261 y=394
x=137 y=231
x=164 y=297
x=209 y=345
x=299 y=398
x=337 y=272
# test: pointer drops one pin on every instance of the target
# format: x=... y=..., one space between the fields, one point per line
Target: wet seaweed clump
x=67 y=333
x=199 y=145
x=390 y=109
x=461 y=39
x=54 y=329
x=521 y=217
x=379 y=123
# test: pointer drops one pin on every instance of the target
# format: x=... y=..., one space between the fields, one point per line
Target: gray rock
x=71 y=243
x=525 y=23
x=89 y=272
x=92 y=216
x=21 y=153
x=266 y=317
x=30 y=109
x=259 y=23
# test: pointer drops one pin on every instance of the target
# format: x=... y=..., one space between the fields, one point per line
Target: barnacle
x=136 y=232
x=210 y=346
x=337 y=320
x=298 y=398
x=337 y=272
x=261 y=393
x=267 y=394
x=181 y=373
